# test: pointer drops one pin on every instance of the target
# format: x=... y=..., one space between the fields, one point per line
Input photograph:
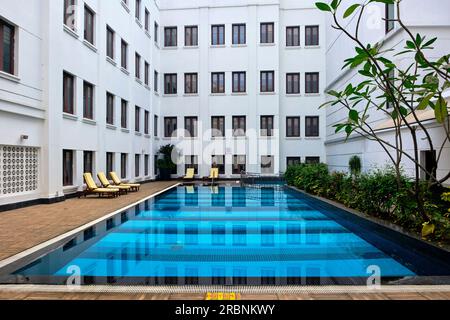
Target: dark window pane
x=312 y=126
x=312 y=35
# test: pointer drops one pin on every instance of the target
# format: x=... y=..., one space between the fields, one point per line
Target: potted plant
x=165 y=163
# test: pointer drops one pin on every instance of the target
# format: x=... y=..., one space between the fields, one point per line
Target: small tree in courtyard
x=403 y=94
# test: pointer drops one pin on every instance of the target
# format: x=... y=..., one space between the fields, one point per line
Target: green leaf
x=350 y=10
x=440 y=110
x=429 y=42
x=323 y=6
x=425 y=101
x=353 y=115
x=410 y=44
x=334 y=4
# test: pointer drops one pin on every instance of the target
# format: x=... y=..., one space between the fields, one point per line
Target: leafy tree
x=401 y=93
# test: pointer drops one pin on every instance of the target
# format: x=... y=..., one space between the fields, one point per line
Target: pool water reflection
x=221 y=235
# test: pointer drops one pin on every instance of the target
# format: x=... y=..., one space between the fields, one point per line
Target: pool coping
x=33 y=250
x=226 y=289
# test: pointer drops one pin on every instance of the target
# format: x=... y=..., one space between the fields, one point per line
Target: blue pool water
x=218 y=235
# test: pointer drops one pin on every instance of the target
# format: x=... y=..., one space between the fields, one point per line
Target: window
x=88 y=162
x=138 y=10
x=170 y=126
x=190 y=36
x=155 y=165
x=218 y=82
x=155 y=125
x=155 y=81
x=190 y=83
x=293 y=127
x=109 y=108
x=239 y=164
x=146 y=73
x=311 y=35
x=312 y=82
x=156 y=32
x=218 y=162
x=137 y=119
x=124 y=114
x=123 y=165
x=110 y=42
x=191 y=162
x=147 y=20
x=7 y=38
x=293 y=83
x=69 y=13
x=312 y=160
x=267 y=81
x=170 y=36
x=293 y=36
x=239 y=126
x=292 y=161
x=109 y=162
x=389 y=17
x=170 y=83
x=67 y=167
x=88 y=100
x=190 y=127
x=68 y=93
x=266 y=126
x=267 y=165
x=267 y=34
x=146 y=122
x=218 y=35
x=312 y=126
x=137 y=165
x=88 y=25
x=137 y=66
x=218 y=126
x=239 y=82
x=239 y=34
x=146 y=165
x=124 y=54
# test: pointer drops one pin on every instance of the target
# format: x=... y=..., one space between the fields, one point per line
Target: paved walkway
x=25 y=228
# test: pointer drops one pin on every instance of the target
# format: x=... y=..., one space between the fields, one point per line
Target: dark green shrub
x=377 y=193
x=354 y=165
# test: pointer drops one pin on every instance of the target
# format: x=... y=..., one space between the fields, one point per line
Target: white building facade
x=100 y=85
x=428 y=18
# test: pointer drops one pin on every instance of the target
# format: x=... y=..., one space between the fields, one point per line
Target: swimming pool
x=230 y=235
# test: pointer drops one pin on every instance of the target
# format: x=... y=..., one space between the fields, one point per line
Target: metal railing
x=257 y=180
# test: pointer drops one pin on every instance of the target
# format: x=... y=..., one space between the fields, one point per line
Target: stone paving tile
x=405 y=296
x=25 y=228
x=368 y=296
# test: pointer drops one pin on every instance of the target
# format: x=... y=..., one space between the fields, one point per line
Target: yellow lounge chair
x=214 y=174
x=118 y=182
x=92 y=188
x=105 y=183
x=190 y=173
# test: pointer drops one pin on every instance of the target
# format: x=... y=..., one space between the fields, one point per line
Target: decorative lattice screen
x=18 y=169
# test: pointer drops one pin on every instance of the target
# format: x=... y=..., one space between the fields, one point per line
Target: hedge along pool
x=230 y=235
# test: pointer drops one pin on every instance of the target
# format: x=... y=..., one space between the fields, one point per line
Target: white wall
x=434 y=23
